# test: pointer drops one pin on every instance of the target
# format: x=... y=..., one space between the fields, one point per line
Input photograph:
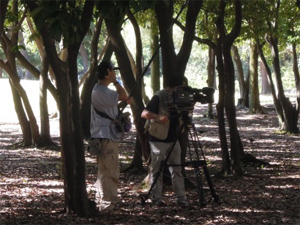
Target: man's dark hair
x=102 y=69
x=175 y=81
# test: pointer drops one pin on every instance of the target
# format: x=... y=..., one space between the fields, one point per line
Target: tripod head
x=187 y=117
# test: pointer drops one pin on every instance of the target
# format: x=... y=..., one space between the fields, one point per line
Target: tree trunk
x=130 y=84
x=71 y=139
x=45 y=126
x=277 y=104
x=290 y=113
x=10 y=53
x=155 y=74
x=247 y=87
x=254 y=104
x=91 y=80
x=3 y=10
x=211 y=80
x=173 y=64
x=239 y=70
x=297 y=77
x=226 y=168
x=27 y=74
x=265 y=85
x=226 y=76
x=12 y=72
x=84 y=56
x=23 y=121
x=137 y=162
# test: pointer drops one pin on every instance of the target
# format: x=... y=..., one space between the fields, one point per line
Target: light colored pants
x=159 y=152
x=108 y=172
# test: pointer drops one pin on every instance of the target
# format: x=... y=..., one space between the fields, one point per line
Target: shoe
x=107 y=207
x=182 y=202
x=159 y=203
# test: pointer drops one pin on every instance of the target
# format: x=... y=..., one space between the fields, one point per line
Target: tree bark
x=239 y=69
x=3 y=10
x=71 y=139
x=254 y=103
x=297 y=77
x=266 y=89
x=24 y=123
x=226 y=76
x=8 y=45
x=276 y=102
x=155 y=74
x=45 y=126
x=129 y=81
x=289 y=112
x=174 y=65
x=211 y=79
x=90 y=81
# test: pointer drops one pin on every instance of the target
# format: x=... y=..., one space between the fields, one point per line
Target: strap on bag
x=116 y=121
x=102 y=114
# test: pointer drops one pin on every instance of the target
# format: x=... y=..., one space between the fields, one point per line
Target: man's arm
x=146 y=114
x=122 y=93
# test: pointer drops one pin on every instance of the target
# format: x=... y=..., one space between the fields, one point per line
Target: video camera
x=185 y=97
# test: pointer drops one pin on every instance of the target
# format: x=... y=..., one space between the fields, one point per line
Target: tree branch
x=198 y=39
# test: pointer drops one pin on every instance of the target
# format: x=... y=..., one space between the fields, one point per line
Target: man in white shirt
x=106 y=100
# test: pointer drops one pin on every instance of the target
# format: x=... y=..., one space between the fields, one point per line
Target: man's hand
x=162 y=119
x=146 y=114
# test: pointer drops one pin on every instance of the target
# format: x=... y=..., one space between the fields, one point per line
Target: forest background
x=60 y=44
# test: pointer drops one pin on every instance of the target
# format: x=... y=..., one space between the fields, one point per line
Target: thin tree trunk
x=290 y=113
x=226 y=168
x=155 y=75
x=24 y=123
x=211 y=80
x=266 y=89
x=254 y=103
x=45 y=126
x=227 y=72
x=129 y=81
x=240 y=72
x=277 y=105
x=297 y=77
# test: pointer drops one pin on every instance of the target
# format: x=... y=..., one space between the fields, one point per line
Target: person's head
x=103 y=69
x=185 y=81
x=175 y=81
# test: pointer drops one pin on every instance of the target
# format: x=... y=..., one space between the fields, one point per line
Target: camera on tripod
x=185 y=97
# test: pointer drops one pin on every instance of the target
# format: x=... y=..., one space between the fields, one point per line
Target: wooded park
x=248 y=53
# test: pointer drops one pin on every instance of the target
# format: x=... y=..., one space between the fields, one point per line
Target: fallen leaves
x=31 y=189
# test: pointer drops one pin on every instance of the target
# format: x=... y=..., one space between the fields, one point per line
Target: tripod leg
x=199 y=186
x=210 y=184
x=145 y=197
x=161 y=168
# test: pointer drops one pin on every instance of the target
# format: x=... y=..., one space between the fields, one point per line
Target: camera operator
x=157 y=110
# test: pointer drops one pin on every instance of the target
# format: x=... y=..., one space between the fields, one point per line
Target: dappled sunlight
x=31 y=185
x=285 y=187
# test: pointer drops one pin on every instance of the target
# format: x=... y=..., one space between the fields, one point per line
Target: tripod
x=195 y=160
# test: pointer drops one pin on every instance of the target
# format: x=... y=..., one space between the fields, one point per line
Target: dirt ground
x=31 y=189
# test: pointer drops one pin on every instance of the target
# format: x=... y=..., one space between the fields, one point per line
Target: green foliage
x=141 y=5
x=289 y=23
x=62 y=18
x=206 y=27
x=114 y=11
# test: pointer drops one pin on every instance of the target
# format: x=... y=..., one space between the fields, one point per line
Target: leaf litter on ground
x=31 y=187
